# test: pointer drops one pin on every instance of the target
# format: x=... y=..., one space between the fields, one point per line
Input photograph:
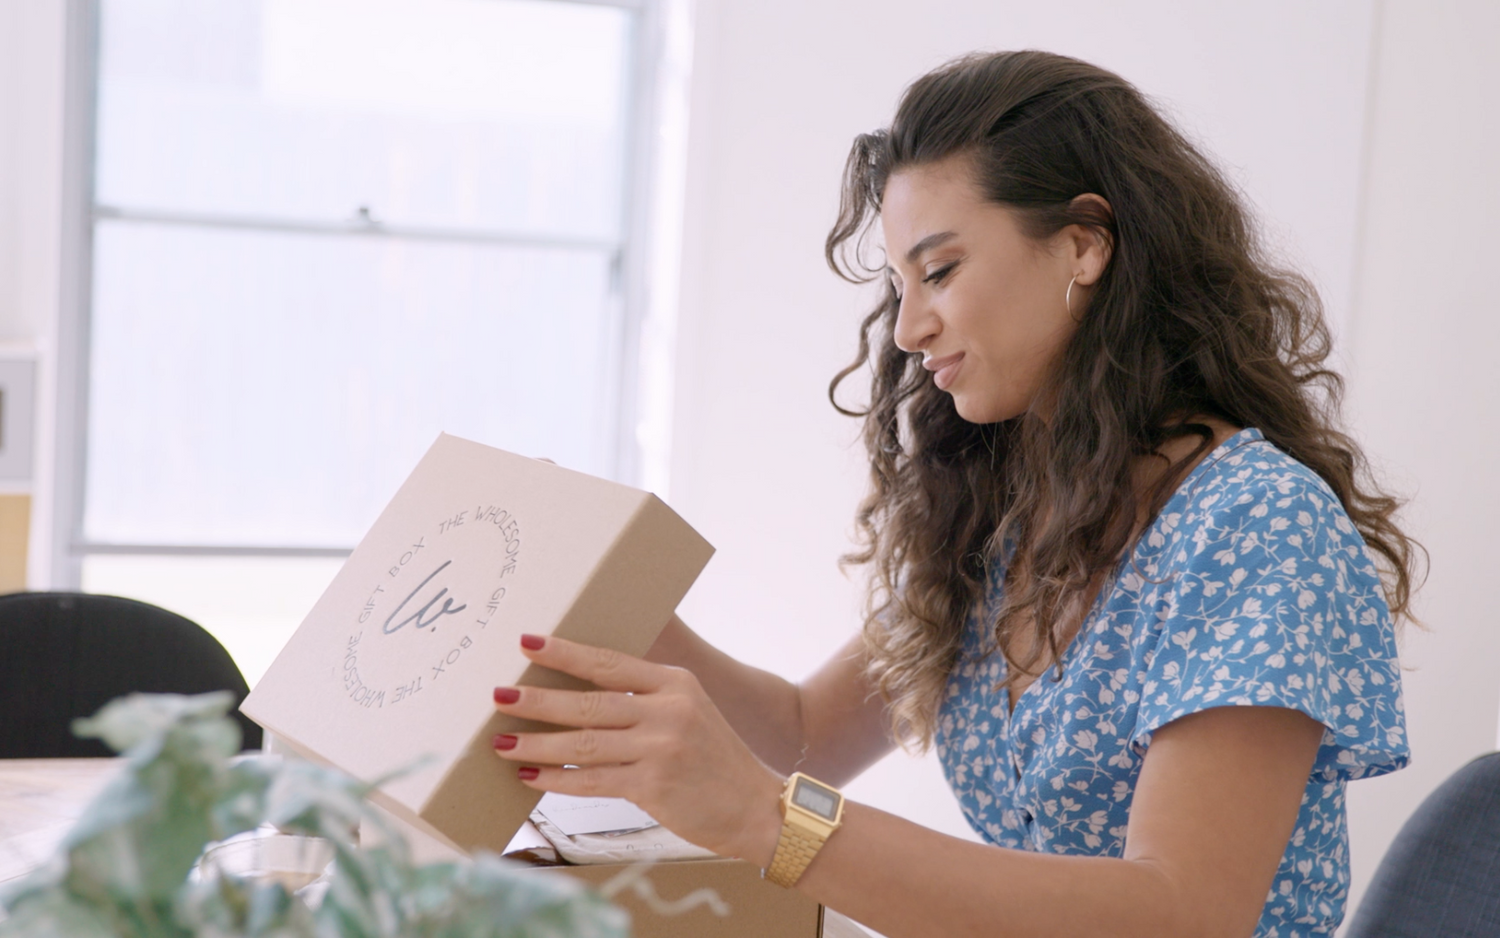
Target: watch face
x=824 y=802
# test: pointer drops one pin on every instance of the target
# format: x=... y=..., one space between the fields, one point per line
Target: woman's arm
x=1213 y=809
x=831 y=726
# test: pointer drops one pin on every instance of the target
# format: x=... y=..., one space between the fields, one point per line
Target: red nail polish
x=505 y=741
x=527 y=773
x=533 y=642
x=506 y=695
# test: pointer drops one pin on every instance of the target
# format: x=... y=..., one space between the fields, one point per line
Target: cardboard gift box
x=744 y=906
x=696 y=898
x=392 y=671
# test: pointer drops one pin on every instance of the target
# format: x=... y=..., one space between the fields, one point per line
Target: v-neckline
x=1106 y=589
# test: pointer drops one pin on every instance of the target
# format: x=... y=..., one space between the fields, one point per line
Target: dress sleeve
x=1275 y=601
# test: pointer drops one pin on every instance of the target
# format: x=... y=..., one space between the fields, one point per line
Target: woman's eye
x=941 y=274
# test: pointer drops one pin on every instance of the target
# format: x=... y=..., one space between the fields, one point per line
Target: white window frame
x=633 y=263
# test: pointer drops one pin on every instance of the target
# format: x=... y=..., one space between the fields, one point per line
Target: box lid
x=398 y=659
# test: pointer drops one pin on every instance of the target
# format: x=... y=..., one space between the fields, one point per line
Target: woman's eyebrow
x=927 y=244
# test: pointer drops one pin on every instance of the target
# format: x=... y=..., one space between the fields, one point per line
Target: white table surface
x=39 y=800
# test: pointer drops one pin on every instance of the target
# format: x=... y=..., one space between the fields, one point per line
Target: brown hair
x=1190 y=317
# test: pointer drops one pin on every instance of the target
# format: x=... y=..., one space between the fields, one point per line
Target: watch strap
x=794 y=851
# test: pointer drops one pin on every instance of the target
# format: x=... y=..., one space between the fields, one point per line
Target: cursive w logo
x=420 y=616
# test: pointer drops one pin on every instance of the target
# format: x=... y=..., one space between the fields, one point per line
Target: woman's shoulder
x=1248 y=497
x=1246 y=460
x=1258 y=589
x=1248 y=475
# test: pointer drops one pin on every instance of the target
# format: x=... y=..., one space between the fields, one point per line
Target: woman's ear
x=1091 y=244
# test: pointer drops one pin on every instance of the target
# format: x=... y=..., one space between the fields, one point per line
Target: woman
x=1127 y=575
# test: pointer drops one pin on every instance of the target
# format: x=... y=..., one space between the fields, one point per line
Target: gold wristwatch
x=810 y=813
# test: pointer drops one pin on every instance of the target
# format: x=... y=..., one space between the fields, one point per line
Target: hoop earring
x=1068 y=296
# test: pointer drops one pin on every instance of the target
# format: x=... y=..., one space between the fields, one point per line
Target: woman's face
x=982 y=302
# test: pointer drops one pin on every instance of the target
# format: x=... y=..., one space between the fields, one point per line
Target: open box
x=391 y=673
x=743 y=904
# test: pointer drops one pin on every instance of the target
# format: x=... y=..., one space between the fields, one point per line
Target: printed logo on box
x=430 y=606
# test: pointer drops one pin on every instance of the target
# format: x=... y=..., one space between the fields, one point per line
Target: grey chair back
x=65 y=655
x=1441 y=876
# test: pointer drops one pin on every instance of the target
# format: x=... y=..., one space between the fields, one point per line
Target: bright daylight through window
x=324 y=231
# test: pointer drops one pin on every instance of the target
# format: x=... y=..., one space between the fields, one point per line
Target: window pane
x=472 y=114
x=252 y=388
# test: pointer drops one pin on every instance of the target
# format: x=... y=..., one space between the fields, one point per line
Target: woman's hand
x=651 y=735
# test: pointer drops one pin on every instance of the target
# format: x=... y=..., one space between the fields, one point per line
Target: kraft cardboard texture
x=757 y=909
x=398 y=659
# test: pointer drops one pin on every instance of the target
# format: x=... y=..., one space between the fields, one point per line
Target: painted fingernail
x=505 y=741
x=533 y=642
x=527 y=773
x=507 y=695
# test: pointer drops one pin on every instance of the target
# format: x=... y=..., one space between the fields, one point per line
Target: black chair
x=65 y=655
x=1441 y=876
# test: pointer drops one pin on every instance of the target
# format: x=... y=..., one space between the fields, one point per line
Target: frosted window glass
x=268 y=389
x=504 y=115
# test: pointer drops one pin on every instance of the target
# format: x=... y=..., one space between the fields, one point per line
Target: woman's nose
x=915 y=324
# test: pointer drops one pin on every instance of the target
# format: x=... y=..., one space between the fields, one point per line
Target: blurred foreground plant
x=122 y=871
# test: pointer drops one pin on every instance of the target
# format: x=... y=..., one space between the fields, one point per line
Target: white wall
x=1280 y=93
x=1425 y=384
x=31 y=120
x=31 y=147
x=30 y=159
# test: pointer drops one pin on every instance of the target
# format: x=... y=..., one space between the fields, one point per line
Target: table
x=40 y=799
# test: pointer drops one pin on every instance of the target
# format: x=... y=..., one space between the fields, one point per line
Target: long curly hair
x=1190 y=317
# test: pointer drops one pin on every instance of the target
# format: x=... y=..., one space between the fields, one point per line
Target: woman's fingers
x=650 y=734
x=595 y=708
x=586 y=747
x=593 y=782
x=610 y=669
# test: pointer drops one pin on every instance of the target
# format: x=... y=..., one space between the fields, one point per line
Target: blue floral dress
x=1250 y=588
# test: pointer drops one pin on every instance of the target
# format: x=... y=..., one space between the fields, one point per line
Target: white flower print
x=1220 y=603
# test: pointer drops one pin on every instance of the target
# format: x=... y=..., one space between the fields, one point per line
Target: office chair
x=65 y=655
x=1441 y=875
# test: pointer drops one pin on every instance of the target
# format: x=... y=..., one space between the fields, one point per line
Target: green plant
x=123 y=870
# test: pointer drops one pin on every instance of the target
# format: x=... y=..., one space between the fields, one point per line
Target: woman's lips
x=944 y=369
